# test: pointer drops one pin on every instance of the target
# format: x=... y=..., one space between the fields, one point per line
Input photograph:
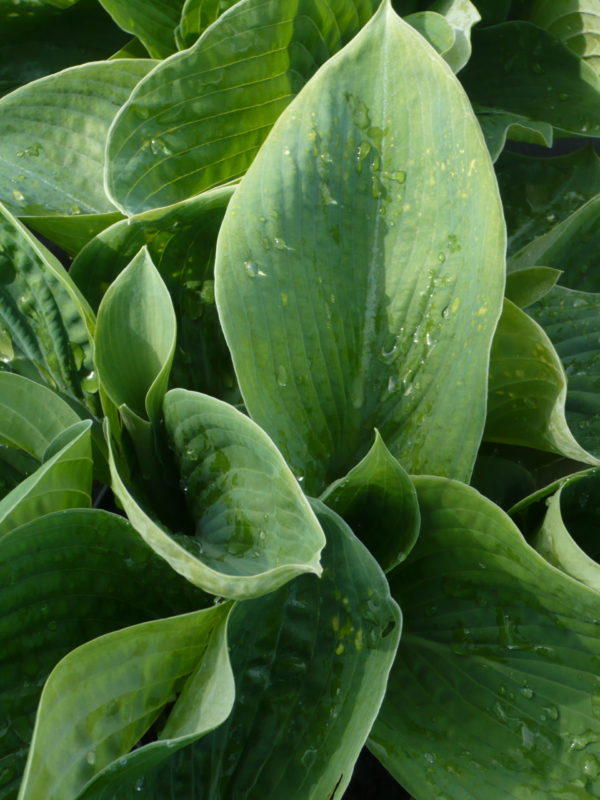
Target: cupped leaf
x=494 y=692
x=196 y=16
x=31 y=415
x=521 y=69
x=572 y=246
x=525 y=286
x=571 y=320
x=357 y=317
x=378 y=500
x=152 y=21
x=254 y=528
x=113 y=688
x=538 y=193
x=135 y=338
x=461 y=15
x=36 y=39
x=311 y=663
x=67 y=578
x=434 y=28
x=199 y=118
x=576 y=23
x=71 y=232
x=63 y=481
x=498 y=126
x=53 y=135
x=528 y=389
x=45 y=323
x=567 y=536
x=181 y=242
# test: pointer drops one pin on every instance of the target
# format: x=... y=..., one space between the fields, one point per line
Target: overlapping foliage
x=299 y=455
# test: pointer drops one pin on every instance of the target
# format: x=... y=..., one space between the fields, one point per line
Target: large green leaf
x=200 y=117
x=519 y=68
x=45 y=324
x=103 y=697
x=66 y=578
x=572 y=321
x=71 y=232
x=568 y=537
x=181 y=242
x=461 y=15
x=494 y=692
x=311 y=663
x=575 y=22
x=357 y=316
x=572 y=246
x=63 y=481
x=527 y=389
x=537 y=193
x=31 y=415
x=254 y=529
x=135 y=338
x=53 y=134
x=152 y=21
x=378 y=501
x=196 y=16
x=36 y=39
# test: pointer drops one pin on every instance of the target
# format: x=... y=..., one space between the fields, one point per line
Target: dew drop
x=91 y=757
x=282 y=376
x=18 y=196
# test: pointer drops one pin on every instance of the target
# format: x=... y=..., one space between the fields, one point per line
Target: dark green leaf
x=525 y=286
x=152 y=21
x=575 y=22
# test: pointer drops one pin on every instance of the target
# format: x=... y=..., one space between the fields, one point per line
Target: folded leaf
x=63 y=481
x=181 y=242
x=498 y=126
x=377 y=499
x=519 y=68
x=69 y=231
x=53 y=134
x=66 y=578
x=525 y=286
x=152 y=21
x=103 y=697
x=575 y=22
x=196 y=16
x=199 y=119
x=461 y=15
x=311 y=663
x=357 y=317
x=135 y=338
x=254 y=528
x=494 y=692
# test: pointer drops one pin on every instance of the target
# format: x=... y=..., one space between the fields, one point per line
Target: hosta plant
x=299 y=399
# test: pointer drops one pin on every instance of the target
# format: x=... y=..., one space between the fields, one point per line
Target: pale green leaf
x=200 y=117
x=63 y=481
x=135 y=338
x=461 y=15
x=525 y=286
x=434 y=28
x=378 y=501
x=495 y=690
x=357 y=316
x=527 y=389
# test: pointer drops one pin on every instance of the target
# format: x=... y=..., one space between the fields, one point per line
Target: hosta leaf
x=45 y=323
x=15 y=466
x=493 y=11
x=113 y=688
x=461 y=15
x=498 y=126
x=152 y=21
x=311 y=663
x=572 y=246
x=135 y=338
x=501 y=479
x=434 y=28
x=200 y=117
x=525 y=286
x=181 y=242
x=494 y=692
x=53 y=134
x=527 y=389
x=63 y=481
x=567 y=537
x=537 y=193
x=575 y=22
x=377 y=499
x=196 y=16
x=36 y=39
x=66 y=578
x=71 y=232
x=518 y=68
x=572 y=321
x=31 y=415
x=254 y=528
x=322 y=358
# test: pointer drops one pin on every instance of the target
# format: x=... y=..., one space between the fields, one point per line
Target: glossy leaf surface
x=321 y=357
x=236 y=80
x=494 y=691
